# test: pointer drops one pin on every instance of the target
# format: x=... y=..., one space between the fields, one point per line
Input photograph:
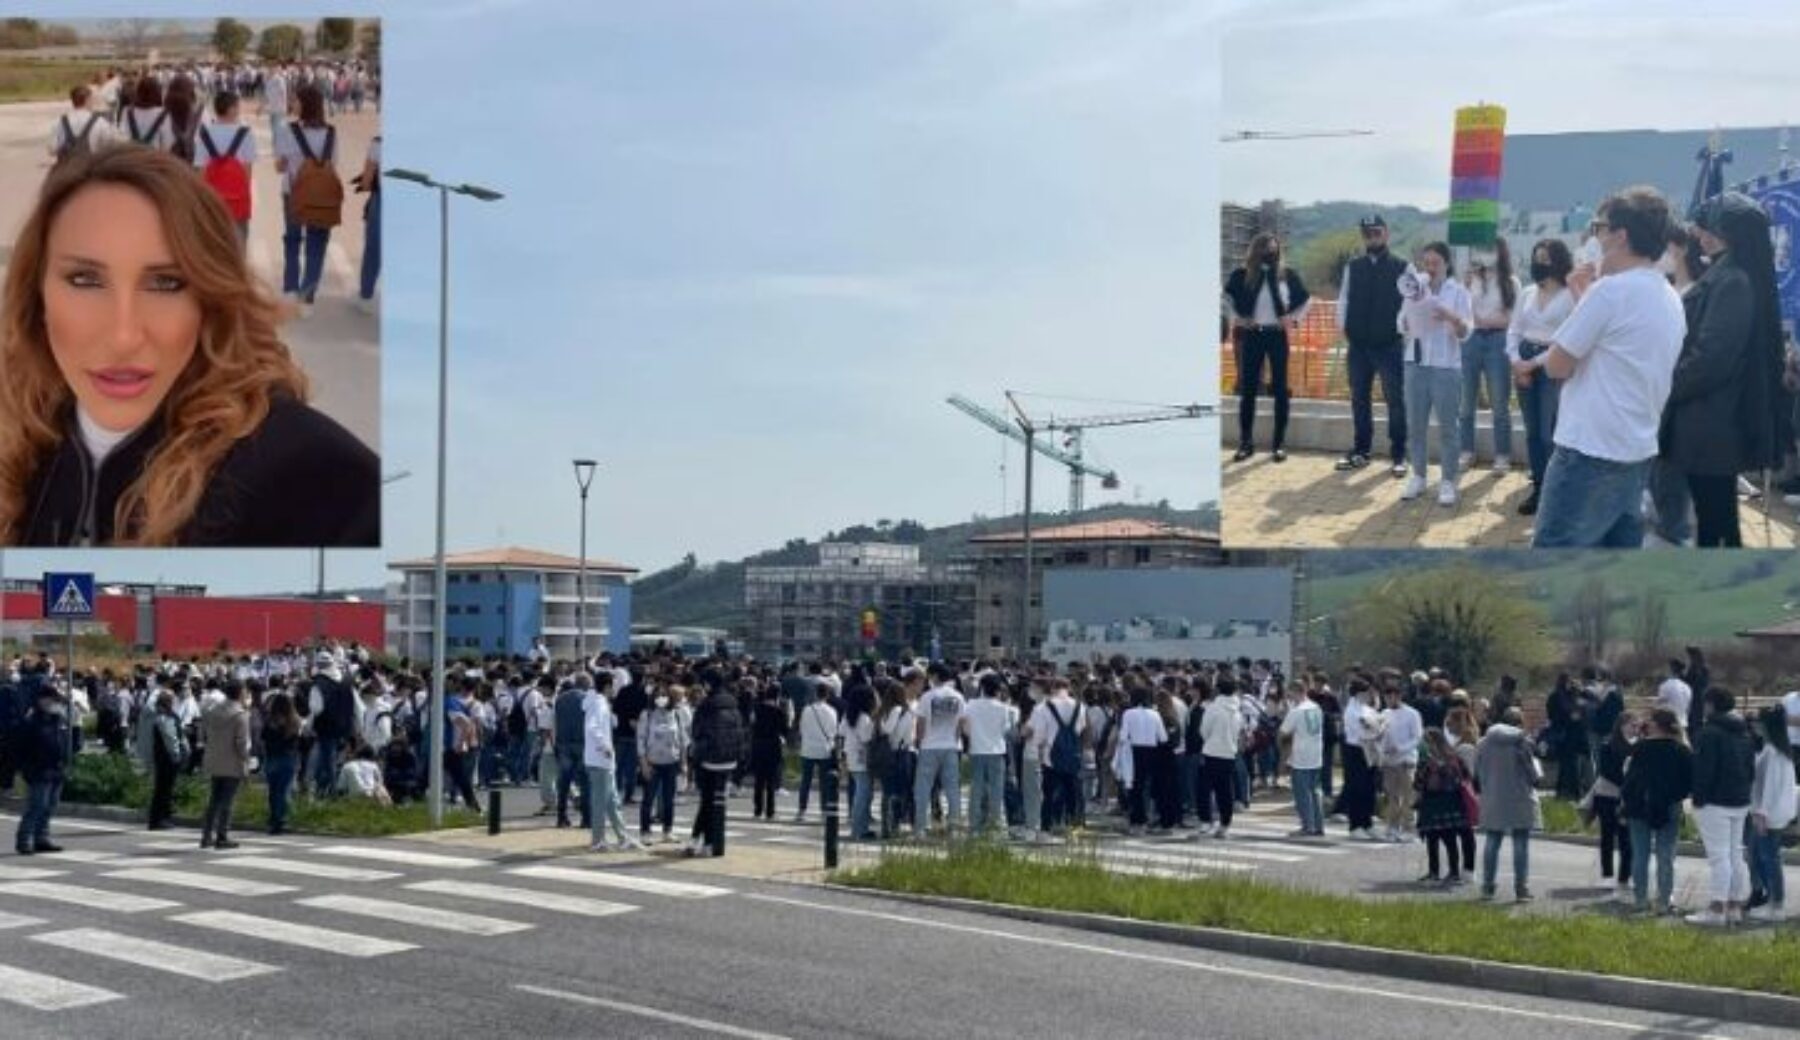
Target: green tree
x=281 y=43
x=369 y=44
x=231 y=38
x=1320 y=260
x=1591 y=616
x=335 y=35
x=1458 y=619
x=1652 y=629
x=20 y=34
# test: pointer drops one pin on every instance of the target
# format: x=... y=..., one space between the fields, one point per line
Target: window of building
x=788 y=594
x=787 y=630
x=787 y=649
x=473 y=608
x=452 y=609
x=454 y=579
x=1078 y=556
x=994 y=642
x=1141 y=554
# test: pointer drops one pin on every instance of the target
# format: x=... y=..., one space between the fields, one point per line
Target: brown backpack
x=317 y=198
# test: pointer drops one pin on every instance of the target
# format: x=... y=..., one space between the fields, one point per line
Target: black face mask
x=1540 y=272
x=1377 y=250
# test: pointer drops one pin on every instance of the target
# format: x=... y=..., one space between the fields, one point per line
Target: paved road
x=141 y=935
x=338 y=345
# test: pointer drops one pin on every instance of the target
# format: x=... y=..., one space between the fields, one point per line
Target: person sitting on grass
x=361 y=778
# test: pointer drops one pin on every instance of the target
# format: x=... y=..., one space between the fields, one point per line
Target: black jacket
x=718 y=731
x=1659 y=776
x=1724 y=763
x=1717 y=421
x=1372 y=306
x=1243 y=299
x=42 y=745
x=298 y=480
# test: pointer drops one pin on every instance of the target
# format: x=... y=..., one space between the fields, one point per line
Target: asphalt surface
x=734 y=957
x=337 y=345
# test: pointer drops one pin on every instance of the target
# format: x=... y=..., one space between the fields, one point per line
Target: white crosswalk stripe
x=348 y=944
x=620 y=880
x=402 y=856
x=18 y=921
x=111 y=859
x=27 y=873
x=220 y=883
x=307 y=868
x=1207 y=846
x=148 y=953
x=413 y=914
x=166 y=845
x=554 y=901
x=80 y=895
x=47 y=992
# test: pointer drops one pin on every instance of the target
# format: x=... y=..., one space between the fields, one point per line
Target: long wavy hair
x=239 y=367
x=1253 y=260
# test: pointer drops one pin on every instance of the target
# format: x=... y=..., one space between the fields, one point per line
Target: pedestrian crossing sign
x=68 y=596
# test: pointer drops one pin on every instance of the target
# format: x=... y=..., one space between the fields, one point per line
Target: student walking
x=225 y=152
x=306 y=155
x=41 y=744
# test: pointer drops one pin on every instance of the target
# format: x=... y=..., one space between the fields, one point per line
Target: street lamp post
x=442 y=584
x=584 y=476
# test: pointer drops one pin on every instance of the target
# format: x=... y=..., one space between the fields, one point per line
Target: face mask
x=662 y=702
x=1539 y=272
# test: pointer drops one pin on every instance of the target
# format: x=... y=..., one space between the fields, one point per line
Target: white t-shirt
x=288 y=148
x=359 y=778
x=1791 y=702
x=856 y=742
x=941 y=708
x=1625 y=335
x=1044 y=725
x=1677 y=696
x=1536 y=323
x=818 y=728
x=72 y=121
x=988 y=722
x=98 y=440
x=899 y=727
x=221 y=135
x=1143 y=727
x=1305 y=724
x=143 y=119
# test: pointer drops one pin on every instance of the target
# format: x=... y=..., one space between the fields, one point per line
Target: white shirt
x=989 y=721
x=940 y=709
x=1438 y=344
x=221 y=135
x=1222 y=728
x=1488 y=304
x=359 y=778
x=1791 y=702
x=145 y=118
x=541 y=710
x=1305 y=724
x=1677 y=696
x=856 y=743
x=1143 y=727
x=72 y=121
x=1401 y=733
x=597 y=732
x=98 y=440
x=1044 y=725
x=377 y=731
x=1625 y=335
x=900 y=728
x=1537 y=317
x=818 y=730
x=1773 y=793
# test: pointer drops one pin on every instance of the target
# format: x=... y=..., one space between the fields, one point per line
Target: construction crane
x=1240 y=136
x=1079 y=468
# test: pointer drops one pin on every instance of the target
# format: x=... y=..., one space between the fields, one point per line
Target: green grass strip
x=1761 y=961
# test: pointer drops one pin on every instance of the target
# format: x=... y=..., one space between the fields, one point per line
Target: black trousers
x=768 y=781
x=1357 y=800
x=217 y=823
x=1218 y=779
x=1715 y=511
x=1257 y=348
x=1614 y=835
x=709 y=821
x=162 y=792
x=1366 y=363
x=1166 y=788
x=1448 y=840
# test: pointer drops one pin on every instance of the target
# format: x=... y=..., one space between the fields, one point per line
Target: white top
x=1305 y=725
x=1625 y=335
x=378 y=723
x=287 y=149
x=1356 y=722
x=221 y=134
x=940 y=709
x=98 y=440
x=1537 y=317
x=1791 y=702
x=145 y=118
x=1143 y=727
x=1222 y=728
x=899 y=725
x=1773 y=793
x=99 y=137
x=1439 y=344
x=597 y=733
x=1044 y=726
x=1264 y=311
x=989 y=721
x=541 y=711
x=1401 y=732
x=1677 y=696
x=359 y=778
x=856 y=743
x=818 y=730
x=1488 y=304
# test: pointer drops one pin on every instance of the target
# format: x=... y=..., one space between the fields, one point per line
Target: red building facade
x=186 y=624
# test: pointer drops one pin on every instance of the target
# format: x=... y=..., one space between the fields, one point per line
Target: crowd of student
x=1652 y=371
x=196 y=113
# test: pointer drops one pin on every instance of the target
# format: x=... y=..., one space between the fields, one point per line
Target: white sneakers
x=1415 y=486
x=1364 y=834
x=1465 y=461
x=1766 y=914
x=1447 y=493
x=1502 y=464
x=1710 y=919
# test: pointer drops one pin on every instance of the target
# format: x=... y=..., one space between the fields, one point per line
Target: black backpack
x=76 y=144
x=1065 y=747
x=880 y=753
x=516 y=723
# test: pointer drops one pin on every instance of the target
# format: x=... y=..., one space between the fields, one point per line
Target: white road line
x=554 y=901
x=405 y=856
x=1463 y=1002
x=651 y=1013
x=97 y=828
x=349 y=944
x=619 y=879
x=86 y=856
x=422 y=916
x=1208 y=847
x=148 y=953
x=27 y=873
x=791 y=840
x=285 y=843
x=190 y=846
x=93 y=898
x=220 y=883
x=48 y=993
x=1200 y=864
x=18 y=921
x=306 y=868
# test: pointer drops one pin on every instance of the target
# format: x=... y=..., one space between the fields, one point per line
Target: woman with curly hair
x=148 y=398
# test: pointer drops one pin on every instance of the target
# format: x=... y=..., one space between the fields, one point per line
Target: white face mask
x=662 y=702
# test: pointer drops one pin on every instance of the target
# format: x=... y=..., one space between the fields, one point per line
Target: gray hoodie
x=1506 y=778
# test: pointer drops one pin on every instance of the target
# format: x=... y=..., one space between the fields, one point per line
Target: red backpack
x=227 y=175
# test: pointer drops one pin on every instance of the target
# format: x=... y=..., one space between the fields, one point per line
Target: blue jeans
x=1240 y=781
x=987 y=792
x=518 y=763
x=626 y=776
x=1365 y=363
x=1591 y=503
x=1484 y=354
x=489 y=763
x=937 y=766
x=862 y=803
x=1187 y=768
x=571 y=769
x=605 y=808
x=1765 y=865
x=40 y=805
x=296 y=278
x=1431 y=390
x=1306 y=800
x=1643 y=839
x=371 y=258
x=278 y=773
x=808 y=768
x=1537 y=405
x=324 y=772
x=1490 y=860
x=1673 y=501
x=660 y=788
x=1062 y=799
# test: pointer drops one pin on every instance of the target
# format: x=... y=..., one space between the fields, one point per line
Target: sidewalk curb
x=1724 y=1005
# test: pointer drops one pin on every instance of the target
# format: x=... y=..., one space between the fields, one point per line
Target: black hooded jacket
x=1724 y=763
x=298 y=480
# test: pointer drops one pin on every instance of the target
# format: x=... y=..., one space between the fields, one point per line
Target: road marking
x=148 y=953
x=94 y=898
x=423 y=916
x=1260 y=975
x=220 y=883
x=18 y=921
x=524 y=897
x=1208 y=847
x=48 y=993
x=329 y=940
x=85 y=856
x=27 y=873
x=190 y=846
x=405 y=856
x=285 y=843
x=305 y=868
x=630 y=882
x=652 y=1013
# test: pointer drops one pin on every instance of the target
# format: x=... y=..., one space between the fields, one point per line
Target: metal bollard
x=716 y=830
x=493 y=811
x=831 y=818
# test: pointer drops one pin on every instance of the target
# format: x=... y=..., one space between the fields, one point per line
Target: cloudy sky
x=747 y=250
x=1402 y=68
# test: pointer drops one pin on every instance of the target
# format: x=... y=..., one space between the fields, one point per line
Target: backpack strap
x=131 y=125
x=330 y=144
x=156 y=126
x=237 y=141
x=206 y=142
x=68 y=138
x=299 y=133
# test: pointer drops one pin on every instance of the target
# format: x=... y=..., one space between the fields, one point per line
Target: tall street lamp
x=584 y=476
x=442 y=584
